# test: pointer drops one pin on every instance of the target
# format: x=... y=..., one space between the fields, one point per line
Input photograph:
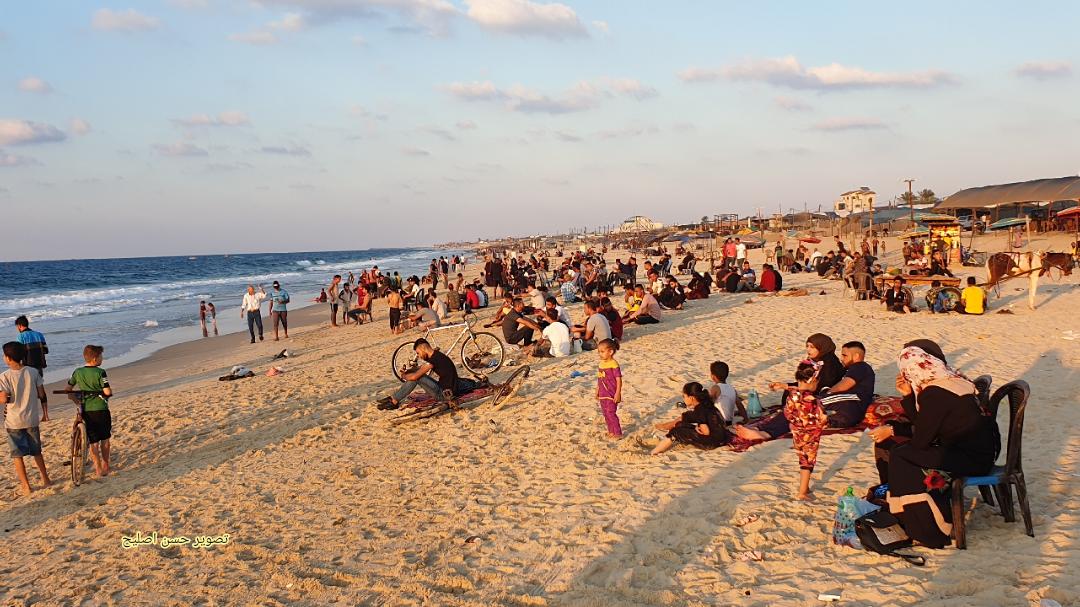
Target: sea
x=136 y=306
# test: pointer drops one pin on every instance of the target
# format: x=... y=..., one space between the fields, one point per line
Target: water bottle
x=576 y=374
x=753 y=405
x=844 y=525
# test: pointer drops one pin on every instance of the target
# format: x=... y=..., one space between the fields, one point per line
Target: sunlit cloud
x=522 y=17
x=8 y=160
x=582 y=96
x=231 y=118
x=25 y=132
x=180 y=150
x=788 y=72
x=130 y=20
x=78 y=126
x=33 y=84
x=285 y=150
x=792 y=105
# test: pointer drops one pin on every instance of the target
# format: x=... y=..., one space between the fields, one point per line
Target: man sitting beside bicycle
x=445 y=383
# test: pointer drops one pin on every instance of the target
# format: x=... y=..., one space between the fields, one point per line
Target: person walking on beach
x=93 y=381
x=332 y=297
x=252 y=306
x=212 y=310
x=279 y=309
x=36 y=348
x=609 y=383
x=202 y=317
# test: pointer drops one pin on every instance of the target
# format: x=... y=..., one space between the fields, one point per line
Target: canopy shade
x=934 y=218
x=1012 y=222
x=1073 y=212
x=1038 y=190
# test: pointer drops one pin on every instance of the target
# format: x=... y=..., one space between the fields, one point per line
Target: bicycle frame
x=466 y=330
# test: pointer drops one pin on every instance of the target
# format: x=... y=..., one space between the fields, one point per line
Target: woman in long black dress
x=701 y=426
x=820 y=348
x=949 y=435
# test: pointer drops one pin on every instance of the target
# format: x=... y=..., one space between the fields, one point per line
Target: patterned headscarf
x=922 y=370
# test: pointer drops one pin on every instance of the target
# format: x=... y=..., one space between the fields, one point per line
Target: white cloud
x=25 y=132
x=285 y=150
x=632 y=88
x=788 y=72
x=792 y=105
x=180 y=150
x=432 y=16
x=131 y=20
x=414 y=151
x=582 y=96
x=14 y=160
x=633 y=131
x=439 y=132
x=291 y=22
x=526 y=18
x=466 y=125
x=602 y=27
x=231 y=118
x=568 y=137
x=257 y=38
x=33 y=84
x=359 y=40
x=834 y=125
x=1044 y=70
x=78 y=126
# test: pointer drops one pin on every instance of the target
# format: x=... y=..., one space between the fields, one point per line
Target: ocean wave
x=304 y=262
x=119 y=294
x=150 y=323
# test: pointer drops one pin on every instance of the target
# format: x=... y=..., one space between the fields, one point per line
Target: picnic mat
x=423 y=399
x=883 y=409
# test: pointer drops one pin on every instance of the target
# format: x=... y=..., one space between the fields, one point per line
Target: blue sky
x=200 y=126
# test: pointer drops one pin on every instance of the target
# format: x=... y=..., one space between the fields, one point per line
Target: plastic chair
x=1000 y=478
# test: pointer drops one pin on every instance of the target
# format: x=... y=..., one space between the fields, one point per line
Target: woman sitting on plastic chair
x=948 y=435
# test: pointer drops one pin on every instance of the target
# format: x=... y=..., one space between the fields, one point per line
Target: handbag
x=882 y=533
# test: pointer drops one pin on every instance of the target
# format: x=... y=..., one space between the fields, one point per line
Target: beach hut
x=1010 y=199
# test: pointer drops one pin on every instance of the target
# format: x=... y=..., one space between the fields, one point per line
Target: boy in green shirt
x=94 y=383
x=22 y=399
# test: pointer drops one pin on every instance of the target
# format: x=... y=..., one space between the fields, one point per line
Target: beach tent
x=677 y=238
x=934 y=218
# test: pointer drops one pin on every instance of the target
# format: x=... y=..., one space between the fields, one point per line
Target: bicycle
x=481 y=353
x=80 y=446
x=952 y=298
x=500 y=395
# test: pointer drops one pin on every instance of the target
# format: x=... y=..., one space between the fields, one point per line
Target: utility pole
x=911 y=199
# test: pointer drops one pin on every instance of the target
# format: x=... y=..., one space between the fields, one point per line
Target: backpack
x=881 y=532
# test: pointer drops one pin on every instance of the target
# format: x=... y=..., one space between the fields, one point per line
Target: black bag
x=880 y=532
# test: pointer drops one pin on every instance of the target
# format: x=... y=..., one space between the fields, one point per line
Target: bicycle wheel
x=510 y=387
x=482 y=354
x=404 y=360
x=79 y=449
x=952 y=298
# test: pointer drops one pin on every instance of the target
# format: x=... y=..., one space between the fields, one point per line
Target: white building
x=639 y=223
x=855 y=201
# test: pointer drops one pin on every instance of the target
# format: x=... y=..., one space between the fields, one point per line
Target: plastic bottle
x=753 y=405
x=847 y=510
x=576 y=374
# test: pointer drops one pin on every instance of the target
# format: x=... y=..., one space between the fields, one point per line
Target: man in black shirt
x=431 y=362
x=847 y=401
x=517 y=327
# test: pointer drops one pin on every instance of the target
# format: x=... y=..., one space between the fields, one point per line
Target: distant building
x=639 y=223
x=855 y=201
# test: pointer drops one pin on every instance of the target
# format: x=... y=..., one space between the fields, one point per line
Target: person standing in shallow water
x=213 y=315
x=202 y=317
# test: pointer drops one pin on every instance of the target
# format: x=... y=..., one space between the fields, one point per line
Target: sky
x=181 y=127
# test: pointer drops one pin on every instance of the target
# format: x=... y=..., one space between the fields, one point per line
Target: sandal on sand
x=746 y=520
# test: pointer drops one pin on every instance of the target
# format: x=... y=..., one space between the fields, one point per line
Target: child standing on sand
x=609 y=386
x=23 y=395
x=94 y=382
x=807 y=417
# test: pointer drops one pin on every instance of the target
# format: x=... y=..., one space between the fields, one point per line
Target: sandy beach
x=326 y=503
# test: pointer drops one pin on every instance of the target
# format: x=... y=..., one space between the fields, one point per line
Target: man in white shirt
x=252 y=306
x=440 y=310
x=536 y=298
x=556 y=341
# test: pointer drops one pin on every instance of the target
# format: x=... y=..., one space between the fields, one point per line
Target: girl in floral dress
x=807 y=417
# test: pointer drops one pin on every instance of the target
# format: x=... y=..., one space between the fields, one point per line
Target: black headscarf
x=929 y=347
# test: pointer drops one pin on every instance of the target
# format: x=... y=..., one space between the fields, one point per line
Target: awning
x=1011 y=222
x=934 y=218
x=1073 y=212
x=1038 y=190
